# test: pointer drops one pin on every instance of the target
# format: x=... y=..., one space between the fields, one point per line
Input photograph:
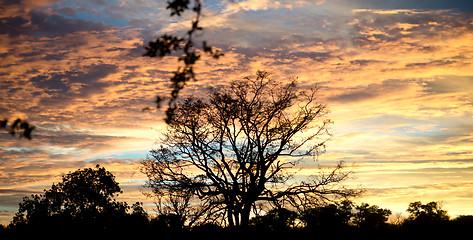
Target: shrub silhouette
x=328 y=217
x=278 y=219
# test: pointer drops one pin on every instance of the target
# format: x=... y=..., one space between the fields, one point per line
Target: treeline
x=345 y=217
x=85 y=202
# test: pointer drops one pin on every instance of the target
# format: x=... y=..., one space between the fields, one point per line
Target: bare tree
x=242 y=146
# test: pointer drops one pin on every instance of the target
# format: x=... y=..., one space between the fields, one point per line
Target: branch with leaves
x=20 y=127
x=166 y=45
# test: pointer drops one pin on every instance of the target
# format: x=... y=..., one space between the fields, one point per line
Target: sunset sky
x=396 y=75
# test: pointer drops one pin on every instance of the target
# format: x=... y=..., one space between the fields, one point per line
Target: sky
x=397 y=77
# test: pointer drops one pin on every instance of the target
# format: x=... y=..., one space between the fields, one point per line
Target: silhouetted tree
x=137 y=220
x=427 y=219
x=426 y=213
x=83 y=198
x=371 y=217
x=328 y=217
x=277 y=219
x=238 y=147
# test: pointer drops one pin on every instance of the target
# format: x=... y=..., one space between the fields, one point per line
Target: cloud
x=454 y=196
x=85 y=82
x=40 y=23
x=450 y=84
x=52 y=24
x=386 y=89
x=410 y=30
x=401 y=5
x=263 y=5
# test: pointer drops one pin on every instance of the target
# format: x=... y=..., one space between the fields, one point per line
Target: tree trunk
x=231 y=222
x=245 y=216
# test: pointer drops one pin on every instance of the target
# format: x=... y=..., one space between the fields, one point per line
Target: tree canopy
x=85 y=197
x=429 y=212
x=238 y=147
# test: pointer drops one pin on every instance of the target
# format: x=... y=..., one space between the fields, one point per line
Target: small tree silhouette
x=431 y=212
x=328 y=217
x=371 y=217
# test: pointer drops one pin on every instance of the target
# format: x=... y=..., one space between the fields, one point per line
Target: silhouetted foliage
x=84 y=198
x=425 y=213
x=371 y=217
x=328 y=217
x=236 y=148
x=169 y=223
x=278 y=219
x=342 y=218
x=464 y=219
x=428 y=217
x=20 y=127
x=208 y=227
x=168 y=44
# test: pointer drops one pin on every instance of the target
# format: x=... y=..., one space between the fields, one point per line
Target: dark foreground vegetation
x=329 y=219
x=84 y=202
